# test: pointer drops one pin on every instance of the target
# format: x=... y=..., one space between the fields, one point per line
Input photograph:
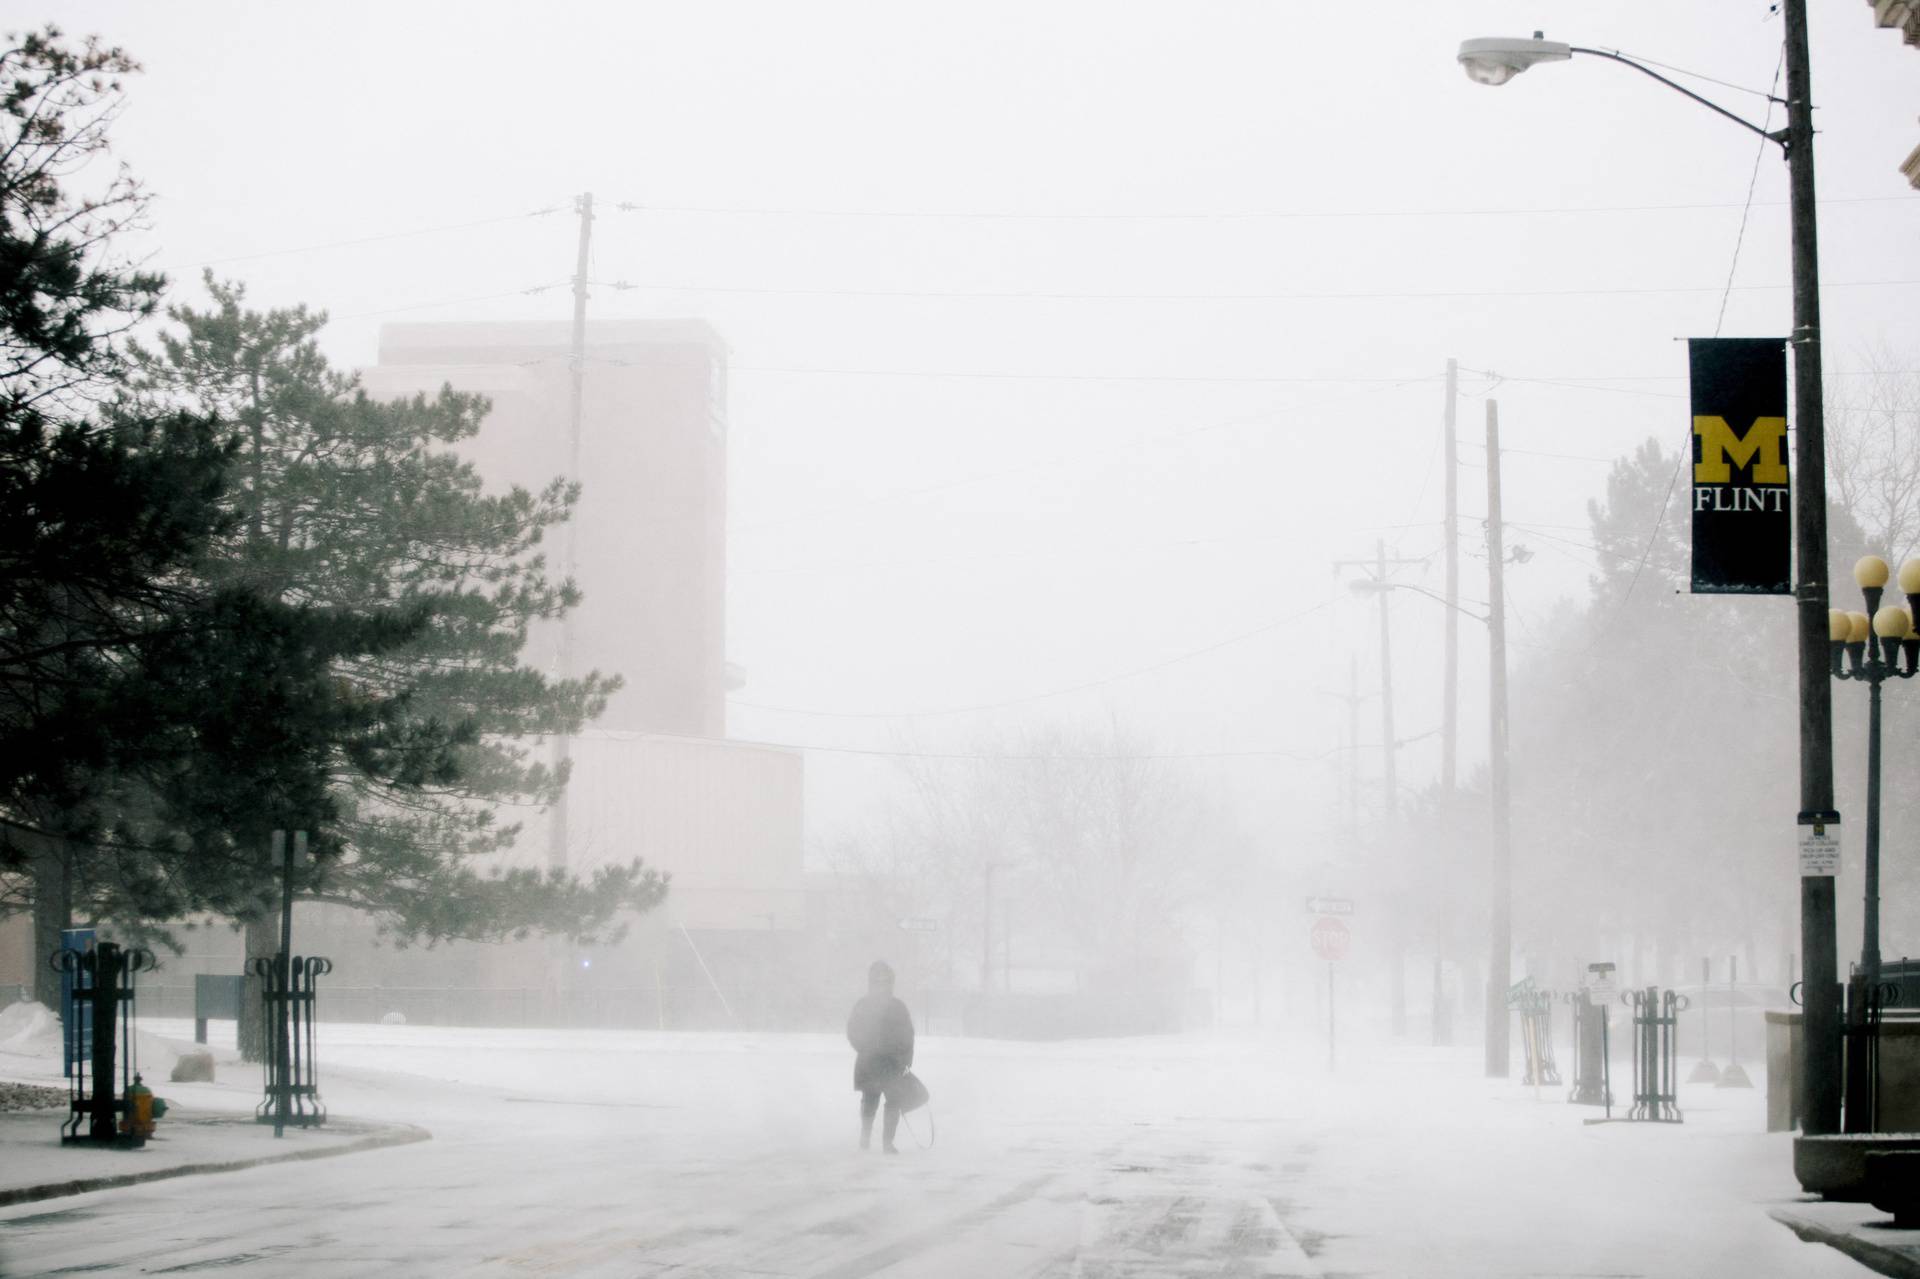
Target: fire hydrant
x=142 y=1109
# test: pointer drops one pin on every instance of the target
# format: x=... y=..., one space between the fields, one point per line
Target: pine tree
x=96 y=524
x=346 y=502
x=121 y=730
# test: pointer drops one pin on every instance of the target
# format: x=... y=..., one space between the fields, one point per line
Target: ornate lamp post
x=1873 y=647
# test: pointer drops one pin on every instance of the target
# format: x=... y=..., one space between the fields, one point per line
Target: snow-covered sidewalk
x=209 y=1127
x=629 y=1153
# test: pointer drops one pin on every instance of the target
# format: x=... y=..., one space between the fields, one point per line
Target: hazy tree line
x=1656 y=731
x=1071 y=851
x=1655 y=747
x=238 y=595
x=1655 y=776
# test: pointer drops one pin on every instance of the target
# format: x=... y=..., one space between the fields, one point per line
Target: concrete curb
x=1888 y=1261
x=391 y=1135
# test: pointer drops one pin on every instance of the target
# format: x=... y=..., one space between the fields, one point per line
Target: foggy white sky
x=942 y=501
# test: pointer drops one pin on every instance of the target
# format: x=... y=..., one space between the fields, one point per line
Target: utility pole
x=1450 y=702
x=1389 y=744
x=1820 y=974
x=577 y=366
x=1500 y=958
x=1390 y=777
x=1390 y=809
x=1353 y=754
x=1375 y=583
x=1450 y=688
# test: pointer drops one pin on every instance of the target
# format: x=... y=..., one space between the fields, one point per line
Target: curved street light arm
x=1779 y=136
x=1481 y=618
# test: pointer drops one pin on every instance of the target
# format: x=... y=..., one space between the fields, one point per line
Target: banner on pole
x=1742 y=496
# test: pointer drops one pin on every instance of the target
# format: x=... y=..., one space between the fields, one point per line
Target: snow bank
x=29 y=1029
x=30 y=1044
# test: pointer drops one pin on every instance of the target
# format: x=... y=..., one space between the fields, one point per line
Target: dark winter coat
x=881 y=1032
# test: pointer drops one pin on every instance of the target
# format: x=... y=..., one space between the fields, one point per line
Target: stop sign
x=1329 y=937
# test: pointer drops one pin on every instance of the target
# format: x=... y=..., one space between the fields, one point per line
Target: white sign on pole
x=1329 y=905
x=1819 y=851
x=1600 y=987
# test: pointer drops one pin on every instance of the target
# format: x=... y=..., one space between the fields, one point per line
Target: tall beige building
x=651 y=523
x=653 y=776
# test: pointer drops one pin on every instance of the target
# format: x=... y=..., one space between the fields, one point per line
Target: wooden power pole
x=577 y=368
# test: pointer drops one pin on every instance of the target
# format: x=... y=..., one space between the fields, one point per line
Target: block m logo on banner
x=1718 y=450
x=1742 y=503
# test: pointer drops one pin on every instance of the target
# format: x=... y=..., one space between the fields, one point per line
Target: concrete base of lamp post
x=1835 y=1166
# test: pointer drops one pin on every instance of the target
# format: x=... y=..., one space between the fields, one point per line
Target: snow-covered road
x=633 y=1154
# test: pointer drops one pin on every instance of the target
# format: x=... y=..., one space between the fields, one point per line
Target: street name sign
x=1329 y=905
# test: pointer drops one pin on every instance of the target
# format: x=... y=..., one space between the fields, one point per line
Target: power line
x=1539 y=530
x=1008 y=375
x=1702 y=76
x=1089 y=552
x=1659 y=519
x=1681 y=455
x=1203 y=215
x=1382 y=295
x=375 y=239
x=1584 y=384
x=998 y=375
x=1577 y=380
x=428 y=306
x=1055 y=757
x=1753 y=181
x=1565 y=457
x=1057 y=692
x=1073 y=458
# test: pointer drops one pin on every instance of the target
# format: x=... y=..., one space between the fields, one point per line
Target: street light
x=1495 y=62
x=1874 y=646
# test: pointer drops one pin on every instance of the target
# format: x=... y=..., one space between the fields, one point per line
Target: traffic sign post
x=1329 y=938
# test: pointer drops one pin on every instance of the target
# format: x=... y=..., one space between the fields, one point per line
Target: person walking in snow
x=881 y=1032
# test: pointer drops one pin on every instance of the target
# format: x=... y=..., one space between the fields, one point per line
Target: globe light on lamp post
x=1872 y=647
x=1496 y=61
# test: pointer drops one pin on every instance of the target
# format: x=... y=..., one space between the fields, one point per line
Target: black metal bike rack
x=1536 y=1035
x=1592 y=1074
x=292 y=1065
x=1656 y=1015
x=102 y=988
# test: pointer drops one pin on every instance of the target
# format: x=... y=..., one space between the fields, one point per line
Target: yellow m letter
x=1764 y=447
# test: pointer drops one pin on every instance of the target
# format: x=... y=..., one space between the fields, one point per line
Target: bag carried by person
x=909 y=1093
